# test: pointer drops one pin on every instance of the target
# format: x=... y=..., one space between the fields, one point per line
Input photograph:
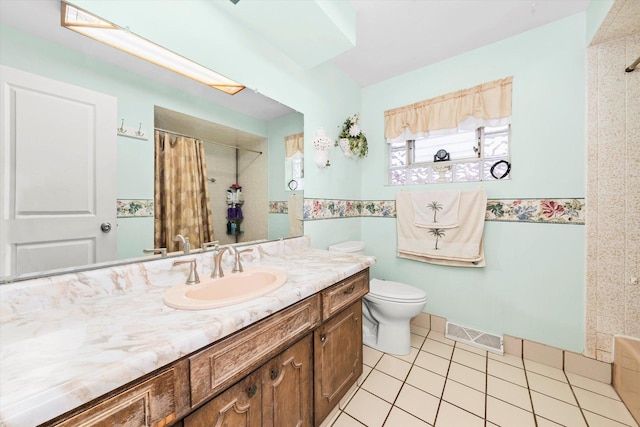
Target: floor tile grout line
x=486 y=391
x=583 y=410
x=453 y=404
x=435 y=419
x=609 y=418
x=573 y=393
x=618 y=399
x=533 y=408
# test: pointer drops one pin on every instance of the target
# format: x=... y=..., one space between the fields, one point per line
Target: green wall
x=533 y=285
x=278 y=130
x=596 y=12
x=533 y=282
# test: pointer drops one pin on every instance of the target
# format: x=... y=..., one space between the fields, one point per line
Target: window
x=470 y=128
x=471 y=156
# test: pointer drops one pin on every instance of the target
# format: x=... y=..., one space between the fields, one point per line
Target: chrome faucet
x=193 y=278
x=186 y=246
x=217 y=261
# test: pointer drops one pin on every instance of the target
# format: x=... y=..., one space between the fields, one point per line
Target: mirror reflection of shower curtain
x=181 y=192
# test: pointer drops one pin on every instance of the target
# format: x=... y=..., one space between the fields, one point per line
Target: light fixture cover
x=85 y=23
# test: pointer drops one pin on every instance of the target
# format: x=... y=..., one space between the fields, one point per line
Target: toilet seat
x=387 y=290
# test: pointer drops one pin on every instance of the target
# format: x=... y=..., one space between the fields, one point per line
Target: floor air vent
x=483 y=340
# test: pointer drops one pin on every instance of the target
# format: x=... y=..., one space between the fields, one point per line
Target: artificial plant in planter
x=351 y=139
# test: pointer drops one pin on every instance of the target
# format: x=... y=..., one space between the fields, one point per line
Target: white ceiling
x=397 y=36
x=393 y=37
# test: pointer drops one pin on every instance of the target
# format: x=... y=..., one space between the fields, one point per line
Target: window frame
x=410 y=163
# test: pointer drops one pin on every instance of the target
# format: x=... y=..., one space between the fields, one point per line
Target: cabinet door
x=287 y=387
x=337 y=358
x=239 y=406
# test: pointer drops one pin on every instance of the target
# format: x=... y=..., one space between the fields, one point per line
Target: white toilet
x=387 y=309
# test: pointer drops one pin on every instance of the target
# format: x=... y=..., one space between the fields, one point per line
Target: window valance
x=488 y=104
x=294 y=143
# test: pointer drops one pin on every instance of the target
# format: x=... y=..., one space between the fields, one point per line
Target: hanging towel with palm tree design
x=459 y=246
x=435 y=209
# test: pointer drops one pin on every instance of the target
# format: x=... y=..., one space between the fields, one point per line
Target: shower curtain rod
x=210 y=142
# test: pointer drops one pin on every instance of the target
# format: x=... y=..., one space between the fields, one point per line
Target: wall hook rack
x=132 y=133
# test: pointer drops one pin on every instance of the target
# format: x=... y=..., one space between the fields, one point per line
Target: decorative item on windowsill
x=351 y=139
x=321 y=146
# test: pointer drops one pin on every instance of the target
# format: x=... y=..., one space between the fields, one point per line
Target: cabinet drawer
x=224 y=363
x=344 y=293
x=156 y=402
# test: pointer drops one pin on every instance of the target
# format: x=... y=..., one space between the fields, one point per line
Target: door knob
x=105 y=227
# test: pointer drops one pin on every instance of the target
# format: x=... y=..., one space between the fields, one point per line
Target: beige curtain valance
x=488 y=104
x=293 y=144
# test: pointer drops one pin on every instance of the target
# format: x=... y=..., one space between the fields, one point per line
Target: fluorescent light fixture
x=83 y=22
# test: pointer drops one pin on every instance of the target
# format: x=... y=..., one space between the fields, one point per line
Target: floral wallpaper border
x=552 y=211
x=278 y=207
x=134 y=208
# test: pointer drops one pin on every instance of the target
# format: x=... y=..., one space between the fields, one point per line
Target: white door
x=57 y=174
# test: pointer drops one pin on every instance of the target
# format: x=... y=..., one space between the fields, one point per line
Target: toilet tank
x=352 y=247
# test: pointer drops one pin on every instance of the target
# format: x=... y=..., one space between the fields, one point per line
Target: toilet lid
x=395 y=291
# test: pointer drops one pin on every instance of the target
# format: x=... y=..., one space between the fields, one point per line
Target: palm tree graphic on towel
x=435 y=207
x=437 y=233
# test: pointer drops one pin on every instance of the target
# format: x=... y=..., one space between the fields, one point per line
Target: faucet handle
x=208 y=245
x=161 y=251
x=237 y=268
x=193 y=278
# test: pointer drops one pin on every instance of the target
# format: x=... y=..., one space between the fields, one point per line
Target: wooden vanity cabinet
x=290 y=369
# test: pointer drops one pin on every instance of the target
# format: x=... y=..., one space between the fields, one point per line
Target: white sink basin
x=233 y=288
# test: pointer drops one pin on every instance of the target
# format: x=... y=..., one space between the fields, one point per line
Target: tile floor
x=444 y=383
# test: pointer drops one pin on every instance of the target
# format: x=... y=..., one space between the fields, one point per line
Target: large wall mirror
x=244 y=139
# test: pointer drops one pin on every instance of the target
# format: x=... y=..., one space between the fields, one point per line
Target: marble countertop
x=68 y=339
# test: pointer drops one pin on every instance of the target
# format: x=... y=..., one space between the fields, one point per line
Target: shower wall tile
x=613 y=181
x=604 y=342
x=591 y=319
x=604 y=356
x=610 y=325
x=590 y=345
x=610 y=300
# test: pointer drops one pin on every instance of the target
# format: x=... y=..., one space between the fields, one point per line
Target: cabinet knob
x=252 y=390
x=274 y=374
x=323 y=337
x=349 y=290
